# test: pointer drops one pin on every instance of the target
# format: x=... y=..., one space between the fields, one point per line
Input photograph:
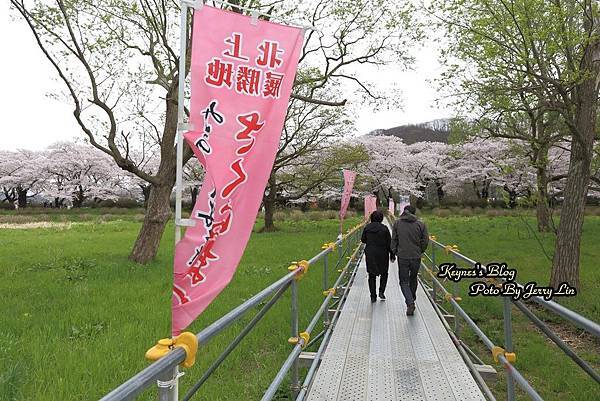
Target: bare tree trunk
x=565 y=265
x=194 y=192
x=269 y=203
x=146 y=189
x=157 y=215
x=269 y=212
x=22 y=197
x=512 y=197
x=542 y=208
x=158 y=210
x=78 y=197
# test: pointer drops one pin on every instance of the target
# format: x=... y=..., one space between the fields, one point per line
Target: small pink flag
x=370 y=205
x=349 y=177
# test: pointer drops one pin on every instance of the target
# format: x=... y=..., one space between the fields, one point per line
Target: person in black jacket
x=409 y=241
x=377 y=238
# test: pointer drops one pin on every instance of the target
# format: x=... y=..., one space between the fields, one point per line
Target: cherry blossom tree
x=193 y=175
x=118 y=63
x=76 y=173
x=20 y=175
x=407 y=169
x=486 y=162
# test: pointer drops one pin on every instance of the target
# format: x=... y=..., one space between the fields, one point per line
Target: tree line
x=527 y=71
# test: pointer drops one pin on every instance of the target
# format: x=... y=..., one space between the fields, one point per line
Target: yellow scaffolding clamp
x=188 y=341
x=330 y=245
x=303 y=265
x=451 y=248
x=510 y=356
x=449 y=296
x=329 y=291
x=493 y=281
x=302 y=338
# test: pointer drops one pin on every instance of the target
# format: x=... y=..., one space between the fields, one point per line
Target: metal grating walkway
x=377 y=353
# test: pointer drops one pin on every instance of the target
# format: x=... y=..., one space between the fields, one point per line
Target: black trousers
x=382 y=283
x=407 y=271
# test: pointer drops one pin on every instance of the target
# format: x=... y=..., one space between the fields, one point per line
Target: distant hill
x=431 y=131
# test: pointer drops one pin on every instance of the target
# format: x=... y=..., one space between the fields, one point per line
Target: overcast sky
x=32 y=120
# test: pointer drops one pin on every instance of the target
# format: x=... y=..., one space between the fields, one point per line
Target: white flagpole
x=180 y=120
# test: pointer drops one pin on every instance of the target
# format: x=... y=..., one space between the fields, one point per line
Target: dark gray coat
x=409 y=237
x=376 y=236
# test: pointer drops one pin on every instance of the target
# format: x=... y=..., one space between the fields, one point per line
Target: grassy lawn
x=508 y=239
x=76 y=316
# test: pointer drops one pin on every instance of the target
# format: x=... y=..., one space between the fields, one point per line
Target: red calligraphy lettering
x=219 y=73
x=269 y=52
x=236 y=47
x=223 y=226
x=241 y=178
x=251 y=123
x=181 y=295
x=247 y=80
x=272 y=84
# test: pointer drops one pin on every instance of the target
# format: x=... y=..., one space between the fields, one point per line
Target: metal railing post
x=433 y=268
x=295 y=385
x=454 y=295
x=508 y=345
x=326 y=286
x=341 y=251
x=326 y=272
x=167 y=385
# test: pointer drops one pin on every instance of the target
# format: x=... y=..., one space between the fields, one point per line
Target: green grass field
x=508 y=239
x=76 y=316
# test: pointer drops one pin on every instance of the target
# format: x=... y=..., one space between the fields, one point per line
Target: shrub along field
x=76 y=317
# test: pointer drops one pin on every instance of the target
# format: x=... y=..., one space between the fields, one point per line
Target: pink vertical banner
x=349 y=177
x=404 y=201
x=370 y=205
x=391 y=206
x=242 y=74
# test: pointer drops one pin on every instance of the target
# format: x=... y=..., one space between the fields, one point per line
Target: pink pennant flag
x=391 y=206
x=404 y=201
x=242 y=75
x=349 y=177
x=370 y=205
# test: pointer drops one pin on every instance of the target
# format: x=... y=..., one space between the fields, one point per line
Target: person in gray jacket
x=409 y=241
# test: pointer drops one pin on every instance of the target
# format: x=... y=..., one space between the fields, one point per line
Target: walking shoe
x=373 y=299
x=382 y=296
x=410 y=309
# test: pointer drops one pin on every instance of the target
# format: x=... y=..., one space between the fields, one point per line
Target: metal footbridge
x=354 y=350
x=377 y=353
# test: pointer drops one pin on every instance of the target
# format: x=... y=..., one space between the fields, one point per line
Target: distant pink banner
x=402 y=205
x=370 y=205
x=242 y=75
x=349 y=177
x=392 y=206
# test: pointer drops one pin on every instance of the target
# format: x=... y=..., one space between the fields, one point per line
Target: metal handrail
x=580 y=321
x=575 y=318
x=272 y=390
x=523 y=383
x=166 y=367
